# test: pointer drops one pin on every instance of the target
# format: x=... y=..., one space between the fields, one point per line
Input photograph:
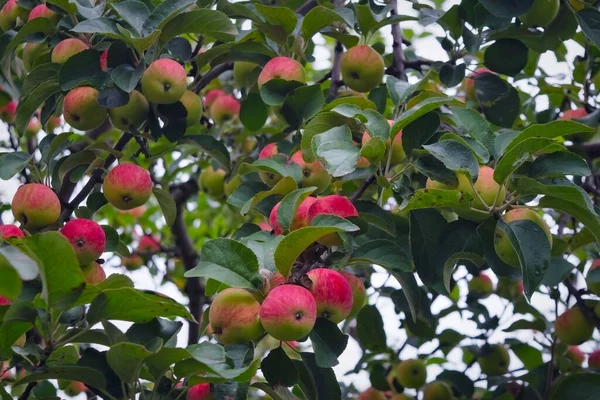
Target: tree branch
x=211 y=75
x=581 y=303
x=336 y=69
x=363 y=187
x=306 y=7
x=397 y=44
x=592 y=149
x=27 y=391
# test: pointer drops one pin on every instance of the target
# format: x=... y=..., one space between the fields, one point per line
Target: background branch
x=336 y=69
x=397 y=44
x=211 y=75
x=581 y=303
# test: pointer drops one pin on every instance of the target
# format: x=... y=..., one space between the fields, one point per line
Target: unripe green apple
x=81 y=109
x=299 y=220
x=411 y=374
x=573 y=327
x=488 y=190
x=332 y=205
x=224 y=108
x=469 y=83
x=372 y=394
x=249 y=144
x=437 y=390
x=93 y=273
x=494 y=360
x=362 y=68
x=164 y=81
x=12 y=15
x=480 y=287
x=541 y=13
x=289 y=312
x=35 y=206
x=212 y=182
x=9 y=230
x=127 y=186
x=42 y=11
x=87 y=238
x=282 y=68
x=243 y=73
x=313 y=174
x=132 y=115
x=594 y=287
x=269 y=178
x=510 y=289
x=332 y=293
x=398 y=154
x=359 y=293
x=234 y=318
x=31 y=52
x=193 y=104
x=66 y=49
x=502 y=245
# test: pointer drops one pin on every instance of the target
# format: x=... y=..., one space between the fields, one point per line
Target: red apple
x=481 y=286
x=282 y=68
x=269 y=178
x=576 y=356
x=5 y=301
x=148 y=245
x=359 y=293
x=372 y=394
x=234 y=317
x=12 y=15
x=224 y=108
x=164 y=81
x=594 y=360
x=35 y=206
x=332 y=293
x=93 y=273
x=333 y=205
x=8 y=112
x=75 y=388
x=573 y=327
x=86 y=237
x=104 y=61
x=127 y=186
x=277 y=280
x=212 y=95
x=42 y=11
x=81 y=108
x=200 y=391
x=7 y=231
x=299 y=220
x=288 y=312
x=313 y=173
x=66 y=49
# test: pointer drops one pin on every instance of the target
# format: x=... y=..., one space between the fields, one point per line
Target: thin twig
x=336 y=69
x=211 y=75
x=363 y=187
x=397 y=44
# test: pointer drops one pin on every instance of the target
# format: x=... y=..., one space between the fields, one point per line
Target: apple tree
x=269 y=161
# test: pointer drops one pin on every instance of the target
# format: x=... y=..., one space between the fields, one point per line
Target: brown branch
x=211 y=75
x=27 y=391
x=363 y=187
x=306 y=7
x=581 y=303
x=397 y=44
x=336 y=69
x=592 y=149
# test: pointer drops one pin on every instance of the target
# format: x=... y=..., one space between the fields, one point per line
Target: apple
x=269 y=178
x=200 y=391
x=53 y=123
x=480 y=287
x=12 y=15
x=5 y=301
x=249 y=144
x=594 y=360
x=289 y=312
x=469 y=83
x=164 y=81
x=411 y=374
x=277 y=280
x=573 y=327
x=212 y=182
x=104 y=61
x=502 y=244
x=594 y=287
x=332 y=293
x=132 y=263
x=437 y=390
x=541 y=13
x=243 y=73
x=42 y=11
x=398 y=154
x=372 y=394
x=234 y=317
x=148 y=245
x=127 y=186
x=362 y=68
x=299 y=220
x=485 y=188
x=575 y=355
x=87 y=238
x=333 y=205
x=224 y=108
x=67 y=48
x=212 y=95
x=33 y=128
x=313 y=173
x=93 y=273
x=31 y=52
x=132 y=115
x=35 y=206
x=8 y=112
x=81 y=108
x=9 y=230
x=137 y=212
x=75 y=388
x=510 y=289
x=282 y=68
x=359 y=293
x=193 y=105
x=494 y=360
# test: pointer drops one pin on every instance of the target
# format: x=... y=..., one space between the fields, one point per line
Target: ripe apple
x=277 y=280
x=31 y=52
x=132 y=263
x=269 y=178
x=575 y=355
x=469 y=83
x=5 y=301
x=502 y=244
x=494 y=360
x=132 y=115
x=8 y=112
x=362 y=68
x=212 y=95
x=33 y=128
x=42 y=11
x=212 y=182
x=164 y=81
x=480 y=287
x=35 y=206
x=12 y=15
x=372 y=394
x=67 y=48
x=87 y=238
x=53 y=123
x=243 y=74
x=148 y=245
x=299 y=220
x=234 y=317
x=411 y=374
x=9 y=230
x=488 y=189
x=200 y=391
x=359 y=293
x=93 y=273
x=313 y=174
x=332 y=293
x=510 y=289
x=573 y=327
x=541 y=13
x=127 y=186
x=104 y=61
x=75 y=388
x=193 y=104
x=282 y=68
x=288 y=312
x=334 y=205
x=594 y=287
x=81 y=109
x=224 y=108
x=594 y=360
x=437 y=390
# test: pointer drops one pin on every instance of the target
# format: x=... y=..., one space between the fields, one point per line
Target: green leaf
x=36 y=25
x=335 y=150
x=89 y=376
x=320 y=123
x=373 y=150
x=167 y=204
x=279 y=16
x=166 y=11
x=302 y=104
x=317 y=19
x=559 y=164
x=34 y=100
x=126 y=77
x=515 y=156
x=133 y=12
x=159 y=362
x=289 y=204
x=384 y=253
x=13 y=163
x=211 y=146
x=10 y=284
x=140 y=306
x=474 y=123
x=230 y=262
x=557 y=272
x=113 y=281
x=507 y=9
x=82 y=68
x=533 y=249
x=274 y=91
x=550 y=130
x=438 y=198
x=84 y=157
x=576 y=386
x=324 y=378
x=297 y=241
x=459 y=381
x=253 y=112
x=425 y=229
x=286 y=185
x=455 y=156
x=499 y=100
x=537 y=324
x=589 y=21
x=278 y=369
x=126 y=360
x=328 y=342
x=204 y=22
x=418 y=132
x=106 y=26
x=369 y=329
x=419 y=110
x=21 y=260
x=277 y=164
x=495 y=56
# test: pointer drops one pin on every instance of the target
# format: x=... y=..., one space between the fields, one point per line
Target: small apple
x=127 y=186
x=575 y=355
x=480 y=287
x=485 y=191
x=573 y=327
x=437 y=390
x=66 y=49
x=81 y=108
x=243 y=74
x=212 y=182
x=93 y=273
x=234 y=317
x=269 y=178
x=164 y=81
x=249 y=144
x=359 y=293
x=502 y=244
x=362 y=68
x=5 y=301
x=332 y=205
x=510 y=289
x=200 y=391
x=469 y=83
x=332 y=293
x=132 y=263
x=288 y=312
x=8 y=112
x=313 y=173
x=224 y=108
x=372 y=394
x=42 y=11
x=137 y=212
x=53 y=123
x=494 y=360
x=211 y=96
x=541 y=13
x=87 y=238
x=401 y=396
x=594 y=287
x=33 y=128
x=594 y=360
x=282 y=68
x=9 y=230
x=299 y=220
x=411 y=374
x=132 y=115
x=104 y=61
x=148 y=245
x=35 y=206
x=75 y=388
x=12 y=15
x=193 y=105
